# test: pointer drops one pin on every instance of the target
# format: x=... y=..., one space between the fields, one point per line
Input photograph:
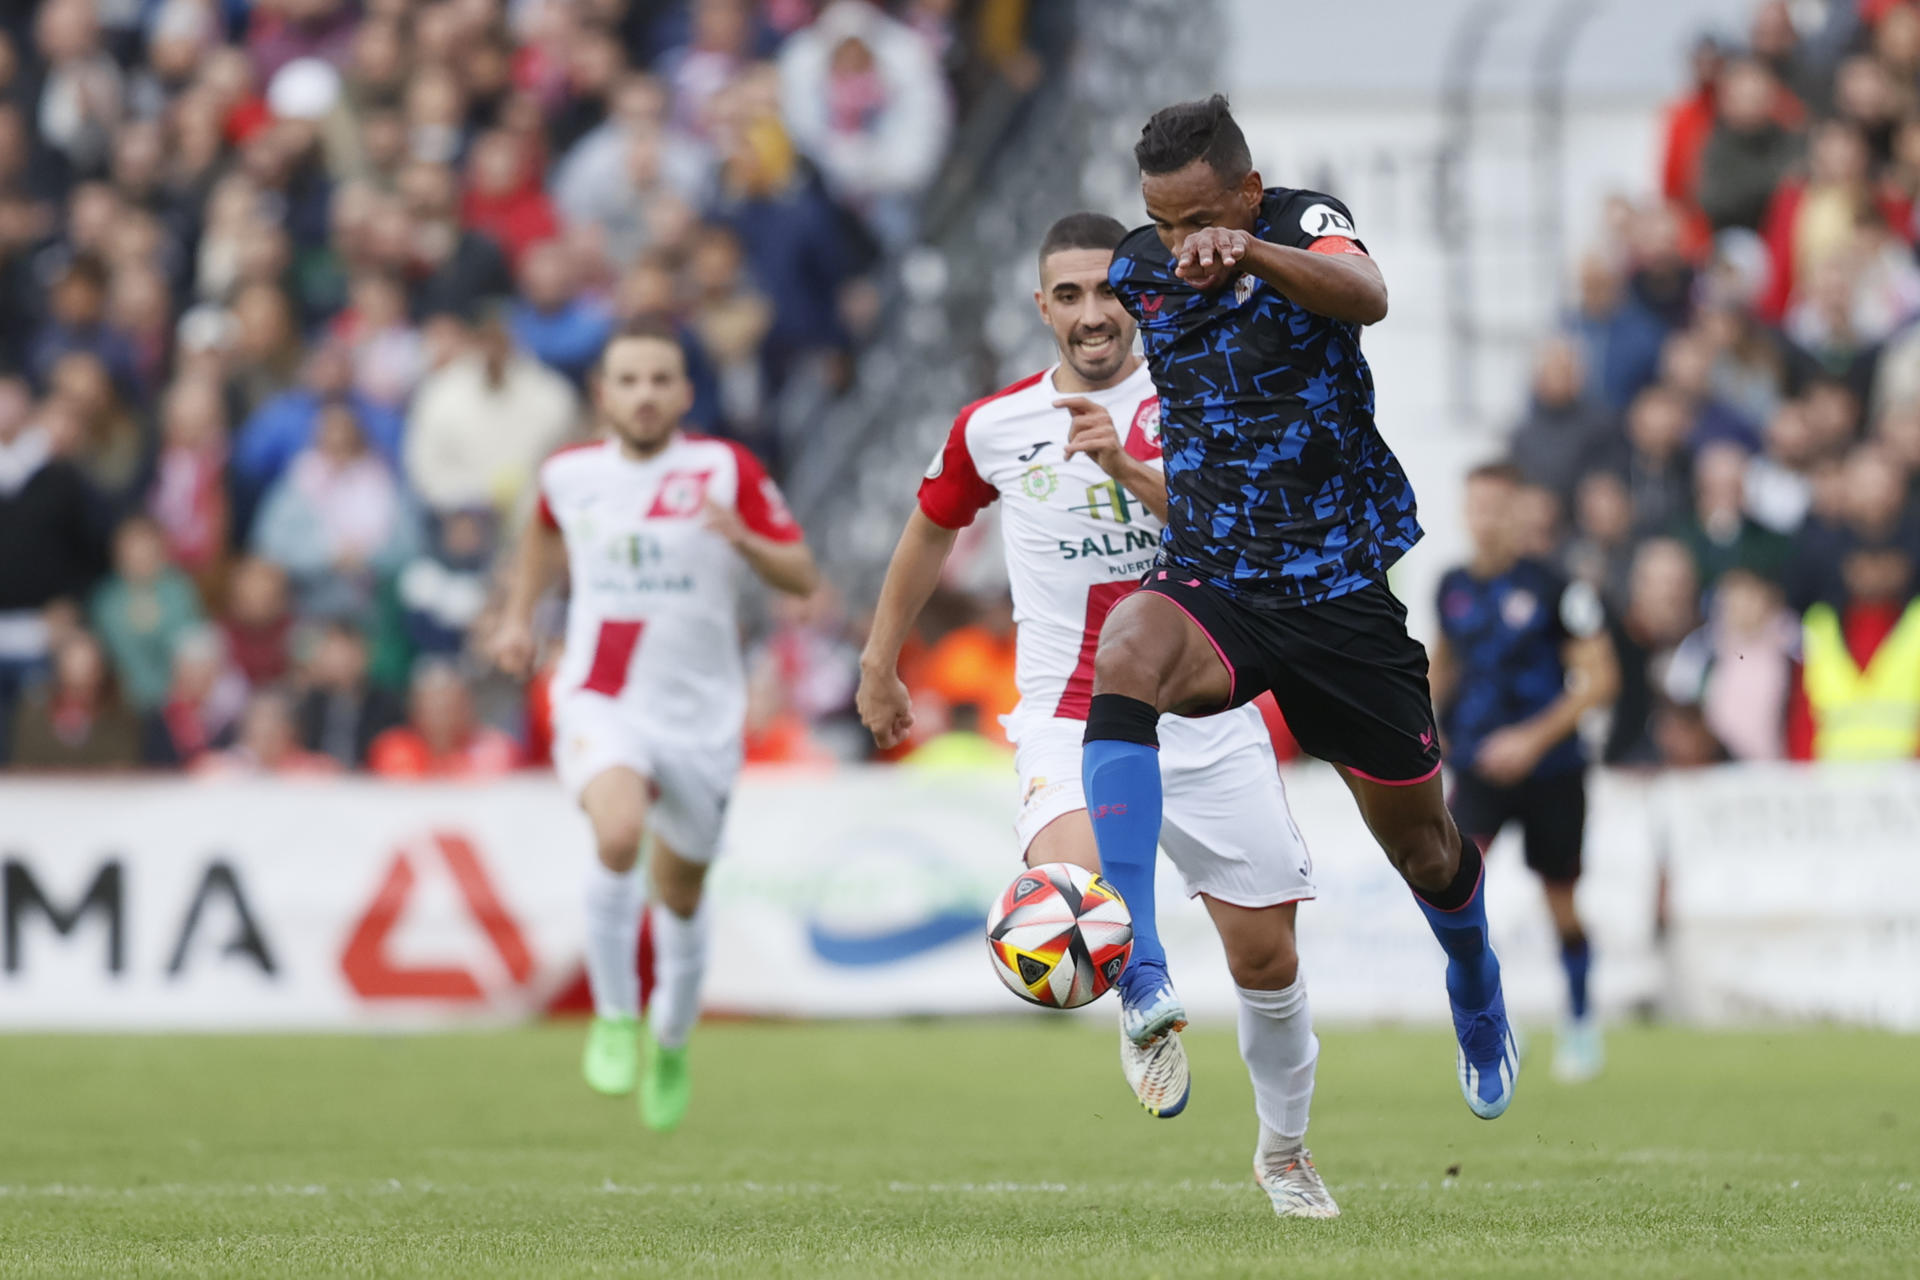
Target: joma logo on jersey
x=682 y=494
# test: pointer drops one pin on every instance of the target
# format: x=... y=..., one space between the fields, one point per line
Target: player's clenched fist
x=511 y=647
x=1092 y=432
x=1211 y=256
x=885 y=707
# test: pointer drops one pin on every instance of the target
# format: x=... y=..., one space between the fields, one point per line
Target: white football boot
x=1156 y=1072
x=1293 y=1184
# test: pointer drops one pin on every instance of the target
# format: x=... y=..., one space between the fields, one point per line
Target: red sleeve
x=952 y=492
x=1336 y=244
x=543 y=512
x=757 y=498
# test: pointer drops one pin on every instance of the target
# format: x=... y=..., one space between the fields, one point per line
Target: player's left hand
x=1211 y=256
x=726 y=522
x=1092 y=433
x=1507 y=755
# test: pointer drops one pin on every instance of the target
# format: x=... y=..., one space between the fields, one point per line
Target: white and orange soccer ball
x=1059 y=936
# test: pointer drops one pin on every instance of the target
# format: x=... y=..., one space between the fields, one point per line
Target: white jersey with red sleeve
x=652 y=622
x=1076 y=540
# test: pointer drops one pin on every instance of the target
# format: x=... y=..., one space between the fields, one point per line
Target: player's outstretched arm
x=536 y=564
x=1344 y=286
x=1340 y=286
x=783 y=565
x=886 y=708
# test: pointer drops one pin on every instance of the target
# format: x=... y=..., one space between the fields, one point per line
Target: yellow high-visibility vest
x=1862 y=715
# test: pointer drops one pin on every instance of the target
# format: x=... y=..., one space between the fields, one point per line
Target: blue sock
x=1121 y=778
x=1576 y=957
x=1458 y=918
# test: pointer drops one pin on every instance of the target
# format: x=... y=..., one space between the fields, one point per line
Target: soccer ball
x=1059 y=936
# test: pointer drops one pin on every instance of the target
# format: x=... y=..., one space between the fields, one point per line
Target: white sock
x=614 y=900
x=679 y=962
x=1280 y=1049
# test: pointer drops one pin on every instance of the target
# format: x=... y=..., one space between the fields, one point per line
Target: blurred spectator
x=1748 y=151
x=1689 y=122
x=441 y=738
x=1662 y=610
x=504 y=199
x=1565 y=431
x=815 y=660
x=721 y=41
x=77 y=101
x=337 y=521
x=1601 y=550
x=1536 y=517
x=1719 y=533
x=387 y=352
x=1654 y=461
x=796 y=246
x=482 y=425
x=44 y=504
x=259 y=621
x=266 y=744
x=1749 y=367
x=1686 y=367
x=635 y=153
x=975 y=664
x=552 y=318
x=1813 y=221
x=279 y=33
x=1857 y=696
x=266 y=355
x=1738 y=668
x=729 y=326
x=342 y=712
x=141 y=611
x=288 y=425
x=864 y=100
x=776 y=731
x=93 y=425
x=77 y=323
x=203 y=702
x=189 y=495
x=1779 y=489
x=442 y=591
x=1619 y=336
x=456 y=269
x=76 y=720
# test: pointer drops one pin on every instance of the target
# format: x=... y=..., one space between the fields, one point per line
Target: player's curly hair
x=1174 y=137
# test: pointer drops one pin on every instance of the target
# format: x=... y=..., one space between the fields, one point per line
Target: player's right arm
x=952 y=493
x=537 y=562
x=885 y=705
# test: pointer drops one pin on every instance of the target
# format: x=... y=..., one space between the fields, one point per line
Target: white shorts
x=691 y=784
x=1224 y=818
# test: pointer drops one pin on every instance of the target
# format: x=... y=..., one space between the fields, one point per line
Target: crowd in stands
x=1724 y=438
x=295 y=295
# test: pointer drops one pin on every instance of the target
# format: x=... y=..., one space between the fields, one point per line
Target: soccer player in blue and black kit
x=1523 y=656
x=1285 y=510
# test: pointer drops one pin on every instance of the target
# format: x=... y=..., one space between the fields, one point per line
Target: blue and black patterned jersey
x=1279 y=487
x=1505 y=635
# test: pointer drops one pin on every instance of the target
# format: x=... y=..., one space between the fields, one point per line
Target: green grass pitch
x=950 y=1148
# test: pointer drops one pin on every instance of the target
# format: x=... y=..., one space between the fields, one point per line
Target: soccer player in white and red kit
x=654 y=527
x=1074 y=453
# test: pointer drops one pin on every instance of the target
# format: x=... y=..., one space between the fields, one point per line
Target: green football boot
x=665 y=1087
x=611 y=1062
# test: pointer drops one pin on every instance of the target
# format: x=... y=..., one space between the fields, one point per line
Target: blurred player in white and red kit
x=653 y=526
x=1075 y=452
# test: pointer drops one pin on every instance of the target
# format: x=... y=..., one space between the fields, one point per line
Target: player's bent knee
x=677 y=881
x=1267 y=962
x=1425 y=853
x=1068 y=838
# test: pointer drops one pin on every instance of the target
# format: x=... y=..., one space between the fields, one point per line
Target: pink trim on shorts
x=1388 y=782
x=1233 y=678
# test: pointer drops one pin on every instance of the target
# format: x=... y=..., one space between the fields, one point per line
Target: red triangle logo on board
x=373 y=974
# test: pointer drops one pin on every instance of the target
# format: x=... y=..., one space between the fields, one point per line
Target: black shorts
x=1350 y=681
x=1552 y=812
